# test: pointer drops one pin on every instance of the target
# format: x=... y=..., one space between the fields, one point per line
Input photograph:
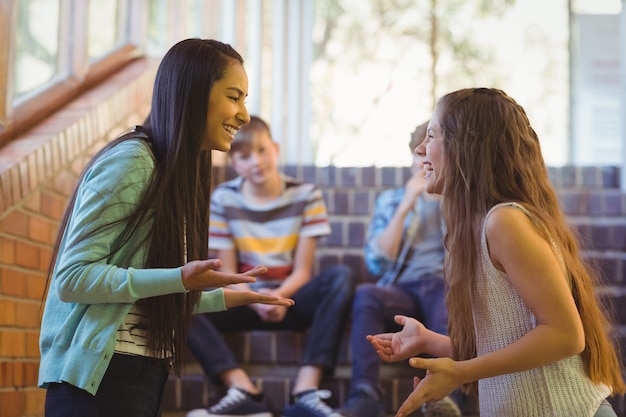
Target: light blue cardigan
x=89 y=298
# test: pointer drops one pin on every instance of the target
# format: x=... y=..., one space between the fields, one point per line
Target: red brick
x=27 y=314
x=12 y=343
x=40 y=230
x=54 y=152
x=27 y=255
x=6 y=374
x=44 y=259
x=24 y=177
x=16 y=188
x=64 y=183
x=79 y=163
x=7 y=251
x=52 y=206
x=35 y=402
x=35 y=286
x=7 y=313
x=33 y=176
x=4 y=204
x=16 y=223
x=39 y=160
x=32 y=345
x=13 y=283
x=48 y=163
x=5 y=197
x=18 y=374
x=33 y=202
x=13 y=404
x=30 y=373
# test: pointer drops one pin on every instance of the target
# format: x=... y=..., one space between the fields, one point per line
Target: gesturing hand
x=392 y=347
x=200 y=275
x=235 y=298
x=270 y=313
x=441 y=379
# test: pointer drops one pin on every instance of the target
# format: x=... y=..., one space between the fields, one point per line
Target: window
x=106 y=27
x=37 y=47
x=57 y=48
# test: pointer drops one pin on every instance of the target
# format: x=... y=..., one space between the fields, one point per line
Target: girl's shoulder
x=127 y=152
x=130 y=161
x=509 y=204
x=507 y=219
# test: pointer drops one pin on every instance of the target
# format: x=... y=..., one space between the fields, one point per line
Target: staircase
x=271 y=359
x=590 y=197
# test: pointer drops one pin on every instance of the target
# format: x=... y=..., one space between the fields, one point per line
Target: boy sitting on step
x=264 y=218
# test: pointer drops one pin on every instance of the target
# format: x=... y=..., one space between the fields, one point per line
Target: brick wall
x=39 y=171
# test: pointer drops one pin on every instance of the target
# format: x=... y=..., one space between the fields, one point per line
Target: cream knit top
x=561 y=389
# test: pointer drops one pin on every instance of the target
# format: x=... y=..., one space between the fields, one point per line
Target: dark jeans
x=132 y=387
x=373 y=311
x=605 y=410
x=321 y=306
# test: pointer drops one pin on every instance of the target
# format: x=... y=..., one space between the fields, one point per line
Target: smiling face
x=227 y=110
x=431 y=153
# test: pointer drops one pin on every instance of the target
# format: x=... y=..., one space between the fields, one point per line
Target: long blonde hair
x=492 y=155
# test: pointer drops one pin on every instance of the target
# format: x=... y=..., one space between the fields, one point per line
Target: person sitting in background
x=404 y=245
x=265 y=217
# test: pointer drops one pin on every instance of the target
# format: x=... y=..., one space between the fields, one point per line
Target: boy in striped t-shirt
x=264 y=218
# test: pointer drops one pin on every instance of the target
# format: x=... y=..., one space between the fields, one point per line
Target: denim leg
x=132 y=387
x=429 y=297
x=208 y=347
x=321 y=304
x=324 y=303
x=372 y=312
x=605 y=410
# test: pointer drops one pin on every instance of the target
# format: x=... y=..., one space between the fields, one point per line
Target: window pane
x=104 y=27
x=596 y=7
x=365 y=95
x=37 y=45
x=157 y=27
x=194 y=19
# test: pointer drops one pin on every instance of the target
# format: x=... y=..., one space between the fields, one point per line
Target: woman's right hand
x=392 y=347
x=200 y=275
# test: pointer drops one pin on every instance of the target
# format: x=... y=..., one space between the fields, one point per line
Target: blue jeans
x=132 y=387
x=321 y=306
x=605 y=410
x=373 y=311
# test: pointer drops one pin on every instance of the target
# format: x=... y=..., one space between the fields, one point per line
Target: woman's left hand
x=440 y=380
x=235 y=298
x=270 y=313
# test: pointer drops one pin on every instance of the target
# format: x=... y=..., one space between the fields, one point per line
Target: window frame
x=82 y=74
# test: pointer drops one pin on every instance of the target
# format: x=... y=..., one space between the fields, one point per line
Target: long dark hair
x=177 y=199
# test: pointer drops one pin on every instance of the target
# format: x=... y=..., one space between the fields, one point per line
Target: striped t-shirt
x=266 y=233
